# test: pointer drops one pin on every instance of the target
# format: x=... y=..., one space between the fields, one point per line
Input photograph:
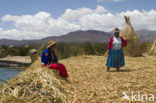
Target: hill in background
x=146 y=35
x=79 y=36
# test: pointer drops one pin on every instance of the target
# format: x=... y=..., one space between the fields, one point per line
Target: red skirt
x=61 y=68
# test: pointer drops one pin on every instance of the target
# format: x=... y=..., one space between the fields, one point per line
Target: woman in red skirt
x=49 y=58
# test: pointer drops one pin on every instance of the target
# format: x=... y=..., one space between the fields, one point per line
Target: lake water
x=7 y=73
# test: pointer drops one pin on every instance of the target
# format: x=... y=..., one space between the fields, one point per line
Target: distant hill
x=79 y=36
x=146 y=35
x=76 y=36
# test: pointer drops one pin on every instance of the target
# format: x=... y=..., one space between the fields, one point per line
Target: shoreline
x=15 y=61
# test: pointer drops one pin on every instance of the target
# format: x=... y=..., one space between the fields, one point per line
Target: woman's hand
x=43 y=65
x=54 y=63
x=124 y=38
x=108 y=51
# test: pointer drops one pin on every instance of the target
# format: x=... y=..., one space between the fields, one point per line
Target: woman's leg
x=63 y=71
x=61 y=68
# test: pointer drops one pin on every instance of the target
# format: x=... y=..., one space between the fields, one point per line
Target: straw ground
x=35 y=85
x=88 y=81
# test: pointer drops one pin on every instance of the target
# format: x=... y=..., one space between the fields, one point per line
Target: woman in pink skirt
x=49 y=58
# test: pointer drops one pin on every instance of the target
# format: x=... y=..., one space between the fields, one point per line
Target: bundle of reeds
x=35 y=85
x=33 y=55
x=90 y=83
x=134 y=43
x=153 y=49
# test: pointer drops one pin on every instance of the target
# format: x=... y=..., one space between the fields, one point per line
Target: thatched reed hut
x=134 y=43
x=27 y=46
x=13 y=50
x=3 y=53
x=11 y=46
x=33 y=55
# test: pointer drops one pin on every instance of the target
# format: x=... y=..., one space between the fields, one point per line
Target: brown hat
x=51 y=43
x=116 y=30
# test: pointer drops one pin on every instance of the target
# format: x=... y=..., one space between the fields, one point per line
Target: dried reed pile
x=88 y=82
x=146 y=47
x=153 y=49
x=134 y=43
x=35 y=85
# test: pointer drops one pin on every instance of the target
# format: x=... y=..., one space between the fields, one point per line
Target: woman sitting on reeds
x=49 y=58
x=115 y=51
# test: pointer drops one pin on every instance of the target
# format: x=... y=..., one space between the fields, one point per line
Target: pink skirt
x=61 y=68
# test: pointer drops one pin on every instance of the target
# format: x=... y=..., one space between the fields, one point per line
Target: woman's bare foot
x=67 y=80
x=118 y=69
x=108 y=68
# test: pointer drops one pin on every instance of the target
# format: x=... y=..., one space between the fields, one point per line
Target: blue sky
x=57 y=7
x=35 y=19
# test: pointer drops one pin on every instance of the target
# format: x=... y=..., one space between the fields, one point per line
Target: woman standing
x=115 y=52
x=49 y=58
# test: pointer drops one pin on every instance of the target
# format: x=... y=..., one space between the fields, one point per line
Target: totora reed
x=88 y=82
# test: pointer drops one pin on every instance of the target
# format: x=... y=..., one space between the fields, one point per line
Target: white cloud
x=142 y=20
x=43 y=24
x=36 y=26
x=72 y=15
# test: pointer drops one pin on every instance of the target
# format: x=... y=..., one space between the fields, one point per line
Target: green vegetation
x=19 y=50
x=64 y=50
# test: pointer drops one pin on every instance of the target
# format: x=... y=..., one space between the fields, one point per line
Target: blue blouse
x=48 y=57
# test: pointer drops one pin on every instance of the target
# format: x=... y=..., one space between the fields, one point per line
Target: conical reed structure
x=153 y=49
x=134 y=44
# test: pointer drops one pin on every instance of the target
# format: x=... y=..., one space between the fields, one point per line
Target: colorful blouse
x=110 y=44
x=48 y=57
x=117 y=43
